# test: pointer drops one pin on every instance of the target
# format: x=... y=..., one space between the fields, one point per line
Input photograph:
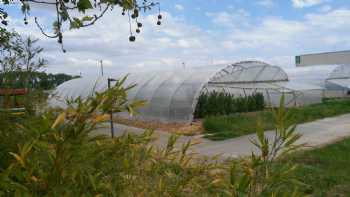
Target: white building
x=338 y=57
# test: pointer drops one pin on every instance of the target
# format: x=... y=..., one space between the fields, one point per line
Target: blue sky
x=199 y=32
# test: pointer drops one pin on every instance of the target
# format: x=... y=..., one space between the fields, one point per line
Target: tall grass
x=325 y=170
x=224 y=127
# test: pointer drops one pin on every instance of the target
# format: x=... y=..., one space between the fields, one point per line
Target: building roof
x=323 y=53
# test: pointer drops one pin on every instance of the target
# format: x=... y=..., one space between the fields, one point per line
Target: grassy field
x=224 y=127
x=326 y=171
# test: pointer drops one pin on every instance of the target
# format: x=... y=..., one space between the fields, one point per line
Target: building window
x=297 y=60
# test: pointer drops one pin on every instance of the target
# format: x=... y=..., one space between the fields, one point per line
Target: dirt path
x=314 y=134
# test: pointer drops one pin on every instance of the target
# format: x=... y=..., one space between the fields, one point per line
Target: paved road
x=314 y=134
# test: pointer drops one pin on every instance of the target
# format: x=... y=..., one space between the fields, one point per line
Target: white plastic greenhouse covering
x=338 y=82
x=172 y=95
x=340 y=76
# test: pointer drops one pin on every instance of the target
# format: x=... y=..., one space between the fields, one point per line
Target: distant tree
x=6 y=45
x=5 y=37
x=46 y=81
x=40 y=80
x=8 y=53
x=19 y=54
x=29 y=57
x=88 y=13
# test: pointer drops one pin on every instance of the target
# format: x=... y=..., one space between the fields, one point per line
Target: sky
x=195 y=33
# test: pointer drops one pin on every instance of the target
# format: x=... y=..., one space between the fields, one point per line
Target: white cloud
x=306 y=3
x=278 y=40
x=179 y=7
x=336 y=19
x=325 y=8
x=164 y=46
x=240 y=36
x=229 y=19
x=231 y=7
x=266 y=3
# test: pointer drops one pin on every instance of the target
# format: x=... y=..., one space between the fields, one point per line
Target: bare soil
x=194 y=128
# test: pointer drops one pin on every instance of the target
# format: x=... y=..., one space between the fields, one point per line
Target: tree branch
x=42 y=30
x=97 y=17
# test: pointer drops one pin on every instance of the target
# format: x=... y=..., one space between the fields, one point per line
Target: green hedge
x=222 y=103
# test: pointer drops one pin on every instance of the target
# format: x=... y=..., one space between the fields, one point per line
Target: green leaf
x=25 y=7
x=128 y=4
x=76 y=23
x=87 y=18
x=260 y=131
x=64 y=15
x=84 y=5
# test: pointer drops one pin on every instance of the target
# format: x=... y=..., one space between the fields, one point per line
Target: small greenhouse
x=333 y=78
x=338 y=82
x=172 y=96
x=246 y=78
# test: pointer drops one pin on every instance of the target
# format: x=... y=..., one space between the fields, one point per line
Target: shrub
x=222 y=103
x=9 y=137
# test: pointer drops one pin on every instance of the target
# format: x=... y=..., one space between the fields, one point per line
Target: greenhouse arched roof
x=249 y=72
x=172 y=95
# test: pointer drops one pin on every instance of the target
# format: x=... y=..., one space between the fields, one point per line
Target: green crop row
x=223 y=103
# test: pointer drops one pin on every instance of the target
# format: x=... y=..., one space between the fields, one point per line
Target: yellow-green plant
x=60 y=156
x=259 y=173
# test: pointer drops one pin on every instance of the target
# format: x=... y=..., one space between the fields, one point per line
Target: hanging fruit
x=132 y=38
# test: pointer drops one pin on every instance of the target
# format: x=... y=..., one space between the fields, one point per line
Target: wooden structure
x=13 y=92
x=9 y=99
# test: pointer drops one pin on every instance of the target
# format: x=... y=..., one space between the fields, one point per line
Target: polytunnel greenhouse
x=338 y=82
x=172 y=95
x=333 y=78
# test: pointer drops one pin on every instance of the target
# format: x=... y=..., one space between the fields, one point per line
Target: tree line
x=38 y=80
x=21 y=62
